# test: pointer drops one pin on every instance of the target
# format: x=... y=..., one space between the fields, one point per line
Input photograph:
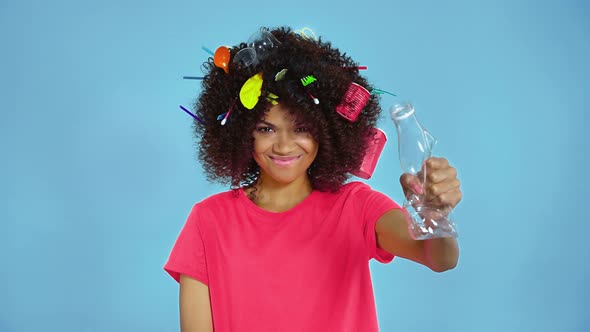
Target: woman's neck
x=279 y=197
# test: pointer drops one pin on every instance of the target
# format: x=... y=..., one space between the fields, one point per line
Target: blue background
x=98 y=170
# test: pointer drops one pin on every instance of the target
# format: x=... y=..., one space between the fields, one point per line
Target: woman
x=288 y=247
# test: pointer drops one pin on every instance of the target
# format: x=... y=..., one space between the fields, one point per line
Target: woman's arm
x=443 y=191
x=393 y=236
x=195 y=306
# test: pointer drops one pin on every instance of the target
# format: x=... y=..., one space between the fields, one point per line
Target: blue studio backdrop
x=98 y=167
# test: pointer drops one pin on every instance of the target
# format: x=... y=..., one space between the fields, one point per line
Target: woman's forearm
x=442 y=254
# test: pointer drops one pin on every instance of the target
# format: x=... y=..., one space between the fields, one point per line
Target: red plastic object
x=353 y=102
x=375 y=144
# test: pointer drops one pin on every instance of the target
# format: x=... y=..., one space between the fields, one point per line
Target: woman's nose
x=284 y=143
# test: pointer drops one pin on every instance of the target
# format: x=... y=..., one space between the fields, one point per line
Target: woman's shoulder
x=218 y=200
x=358 y=191
x=214 y=207
x=352 y=186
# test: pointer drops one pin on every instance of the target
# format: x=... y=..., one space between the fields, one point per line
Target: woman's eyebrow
x=266 y=123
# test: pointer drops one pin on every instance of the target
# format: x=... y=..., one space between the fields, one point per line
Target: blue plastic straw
x=207 y=50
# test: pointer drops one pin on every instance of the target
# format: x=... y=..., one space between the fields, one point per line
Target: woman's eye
x=301 y=130
x=264 y=129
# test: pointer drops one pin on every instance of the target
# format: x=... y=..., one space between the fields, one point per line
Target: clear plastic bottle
x=415 y=146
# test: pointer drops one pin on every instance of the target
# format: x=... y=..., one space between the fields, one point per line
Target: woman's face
x=283 y=149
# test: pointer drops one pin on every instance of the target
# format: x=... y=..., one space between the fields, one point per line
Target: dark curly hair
x=226 y=151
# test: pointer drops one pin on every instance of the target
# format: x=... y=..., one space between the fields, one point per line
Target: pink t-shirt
x=306 y=269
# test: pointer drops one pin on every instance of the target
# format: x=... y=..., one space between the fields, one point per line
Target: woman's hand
x=441 y=188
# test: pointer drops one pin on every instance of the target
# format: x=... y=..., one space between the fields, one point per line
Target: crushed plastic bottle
x=415 y=146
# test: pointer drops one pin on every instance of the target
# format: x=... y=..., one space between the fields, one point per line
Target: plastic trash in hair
x=221 y=58
x=353 y=102
x=246 y=57
x=415 y=146
x=375 y=143
x=259 y=44
x=262 y=41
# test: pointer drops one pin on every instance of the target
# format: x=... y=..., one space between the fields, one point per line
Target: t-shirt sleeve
x=188 y=254
x=373 y=204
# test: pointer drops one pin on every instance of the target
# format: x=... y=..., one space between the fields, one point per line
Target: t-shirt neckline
x=251 y=206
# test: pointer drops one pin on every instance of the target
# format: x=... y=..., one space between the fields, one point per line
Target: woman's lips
x=284 y=161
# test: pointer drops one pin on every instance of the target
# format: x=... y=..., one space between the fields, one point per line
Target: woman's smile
x=285 y=161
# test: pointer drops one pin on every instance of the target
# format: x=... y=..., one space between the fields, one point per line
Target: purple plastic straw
x=191 y=114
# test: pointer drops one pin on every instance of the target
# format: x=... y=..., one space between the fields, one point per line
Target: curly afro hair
x=226 y=151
